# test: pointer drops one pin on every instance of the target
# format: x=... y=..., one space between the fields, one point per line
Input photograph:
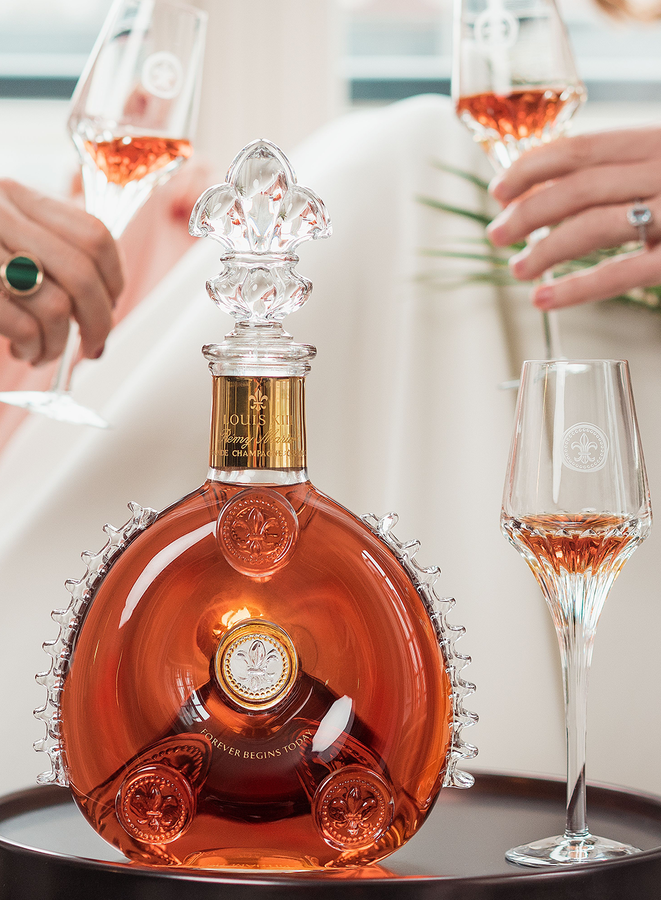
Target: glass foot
x=565 y=850
x=58 y=405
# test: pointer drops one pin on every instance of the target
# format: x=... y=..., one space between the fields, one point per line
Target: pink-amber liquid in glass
x=142 y=674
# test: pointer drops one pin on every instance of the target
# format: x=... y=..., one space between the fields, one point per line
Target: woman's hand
x=584 y=186
x=82 y=274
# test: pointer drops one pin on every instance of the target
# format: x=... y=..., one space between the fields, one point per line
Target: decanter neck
x=257 y=423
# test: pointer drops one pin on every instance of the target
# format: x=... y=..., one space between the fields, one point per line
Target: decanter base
x=568 y=850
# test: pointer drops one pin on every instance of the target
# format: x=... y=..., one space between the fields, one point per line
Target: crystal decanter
x=256 y=677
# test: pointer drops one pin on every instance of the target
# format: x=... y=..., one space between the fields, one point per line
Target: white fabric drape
x=403 y=413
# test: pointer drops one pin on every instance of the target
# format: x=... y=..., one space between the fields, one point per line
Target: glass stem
x=576 y=644
x=550 y=325
x=62 y=381
x=551 y=330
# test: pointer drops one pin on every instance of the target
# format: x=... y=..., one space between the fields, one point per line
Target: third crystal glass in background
x=514 y=84
x=576 y=505
x=132 y=120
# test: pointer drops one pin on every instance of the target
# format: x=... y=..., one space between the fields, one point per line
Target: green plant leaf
x=648 y=298
x=467 y=176
x=458 y=254
x=455 y=210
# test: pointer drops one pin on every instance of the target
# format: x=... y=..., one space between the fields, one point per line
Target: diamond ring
x=21 y=274
x=640 y=216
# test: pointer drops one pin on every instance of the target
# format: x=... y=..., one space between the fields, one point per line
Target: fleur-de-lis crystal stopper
x=259 y=215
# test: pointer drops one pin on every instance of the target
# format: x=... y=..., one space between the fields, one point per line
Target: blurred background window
x=398 y=48
x=389 y=50
x=44 y=44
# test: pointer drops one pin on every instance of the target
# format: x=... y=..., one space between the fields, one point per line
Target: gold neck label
x=257 y=423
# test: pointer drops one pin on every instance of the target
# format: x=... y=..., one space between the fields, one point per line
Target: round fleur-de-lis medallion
x=495 y=29
x=163 y=75
x=155 y=804
x=257 y=531
x=256 y=664
x=584 y=447
x=353 y=807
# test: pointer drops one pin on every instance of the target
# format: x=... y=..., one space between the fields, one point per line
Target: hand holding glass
x=514 y=85
x=576 y=506
x=132 y=120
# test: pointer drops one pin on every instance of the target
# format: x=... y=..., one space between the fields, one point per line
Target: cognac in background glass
x=576 y=505
x=133 y=117
x=515 y=85
x=514 y=81
x=135 y=107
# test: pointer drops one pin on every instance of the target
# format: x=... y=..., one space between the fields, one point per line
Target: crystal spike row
x=437 y=608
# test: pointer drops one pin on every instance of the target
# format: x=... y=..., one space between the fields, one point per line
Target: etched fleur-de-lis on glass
x=154 y=809
x=259 y=215
x=584 y=446
x=260 y=665
x=352 y=808
x=255 y=533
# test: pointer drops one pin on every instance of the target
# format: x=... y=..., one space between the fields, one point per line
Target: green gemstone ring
x=21 y=275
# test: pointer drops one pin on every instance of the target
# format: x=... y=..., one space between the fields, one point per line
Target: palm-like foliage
x=494 y=260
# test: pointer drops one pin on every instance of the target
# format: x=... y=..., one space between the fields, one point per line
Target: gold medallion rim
x=249 y=628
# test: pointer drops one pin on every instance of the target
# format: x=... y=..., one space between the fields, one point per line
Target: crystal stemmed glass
x=132 y=120
x=576 y=505
x=515 y=85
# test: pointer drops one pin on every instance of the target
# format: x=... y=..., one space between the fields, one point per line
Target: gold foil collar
x=257 y=423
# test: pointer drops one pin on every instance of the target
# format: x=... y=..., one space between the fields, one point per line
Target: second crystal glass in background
x=514 y=85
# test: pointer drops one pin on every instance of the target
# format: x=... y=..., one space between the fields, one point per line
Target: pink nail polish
x=495 y=183
x=543 y=297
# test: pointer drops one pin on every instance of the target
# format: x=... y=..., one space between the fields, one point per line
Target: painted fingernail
x=496 y=228
x=542 y=297
x=495 y=188
x=517 y=263
x=98 y=353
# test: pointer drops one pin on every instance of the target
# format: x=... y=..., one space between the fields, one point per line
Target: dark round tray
x=47 y=851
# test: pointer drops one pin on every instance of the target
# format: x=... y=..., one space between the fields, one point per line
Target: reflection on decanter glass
x=256 y=677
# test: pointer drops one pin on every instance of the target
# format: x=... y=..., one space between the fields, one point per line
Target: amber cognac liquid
x=575 y=559
x=126 y=159
x=256 y=682
x=519 y=119
x=574 y=544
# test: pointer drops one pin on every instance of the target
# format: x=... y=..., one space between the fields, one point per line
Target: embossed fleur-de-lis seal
x=261 y=664
x=353 y=807
x=257 y=531
x=256 y=664
x=155 y=807
x=155 y=804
